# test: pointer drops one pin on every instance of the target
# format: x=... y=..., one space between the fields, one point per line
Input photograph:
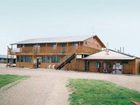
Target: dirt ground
x=49 y=87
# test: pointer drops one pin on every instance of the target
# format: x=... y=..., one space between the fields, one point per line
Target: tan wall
x=23 y=64
x=129 y=68
x=70 y=66
x=137 y=66
x=93 y=43
x=80 y=65
x=75 y=65
x=92 y=66
x=133 y=67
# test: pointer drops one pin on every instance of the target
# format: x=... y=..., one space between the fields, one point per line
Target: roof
x=57 y=40
x=109 y=55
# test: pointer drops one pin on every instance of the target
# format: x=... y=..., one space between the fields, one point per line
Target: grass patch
x=7 y=79
x=97 y=92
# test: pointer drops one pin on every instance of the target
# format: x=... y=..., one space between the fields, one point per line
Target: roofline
x=95 y=36
x=137 y=57
x=43 y=43
x=92 y=36
x=123 y=53
x=110 y=59
x=18 y=43
x=132 y=57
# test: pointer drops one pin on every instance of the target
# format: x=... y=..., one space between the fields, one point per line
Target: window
x=63 y=45
x=58 y=59
x=28 y=59
x=43 y=45
x=24 y=59
x=36 y=49
x=46 y=59
x=53 y=45
x=51 y=59
x=75 y=45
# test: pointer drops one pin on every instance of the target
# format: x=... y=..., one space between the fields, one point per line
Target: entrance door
x=38 y=62
x=118 y=68
x=86 y=65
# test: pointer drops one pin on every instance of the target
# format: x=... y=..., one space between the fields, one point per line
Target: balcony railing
x=57 y=50
x=14 y=51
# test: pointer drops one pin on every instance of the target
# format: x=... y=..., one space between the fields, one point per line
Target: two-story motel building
x=71 y=53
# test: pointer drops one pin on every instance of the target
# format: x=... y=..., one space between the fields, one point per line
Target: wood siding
x=93 y=43
x=24 y=64
x=87 y=47
x=75 y=65
x=132 y=67
x=57 y=51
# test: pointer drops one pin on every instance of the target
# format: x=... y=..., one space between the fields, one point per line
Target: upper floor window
x=53 y=45
x=63 y=45
x=36 y=48
x=75 y=45
x=43 y=45
x=20 y=45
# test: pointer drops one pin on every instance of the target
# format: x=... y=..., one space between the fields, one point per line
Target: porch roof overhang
x=109 y=55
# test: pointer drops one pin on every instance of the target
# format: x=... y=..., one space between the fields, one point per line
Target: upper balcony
x=14 y=51
x=56 y=50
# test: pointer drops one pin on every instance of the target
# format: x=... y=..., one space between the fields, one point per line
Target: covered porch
x=109 y=61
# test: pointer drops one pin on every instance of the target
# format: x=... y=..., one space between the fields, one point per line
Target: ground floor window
x=24 y=59
x=51 y=59
x=46 y=59
x=98 y=66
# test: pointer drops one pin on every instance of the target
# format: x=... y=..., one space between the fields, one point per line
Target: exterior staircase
x=66 y=61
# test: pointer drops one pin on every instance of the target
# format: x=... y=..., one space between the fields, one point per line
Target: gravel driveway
x=48 y=87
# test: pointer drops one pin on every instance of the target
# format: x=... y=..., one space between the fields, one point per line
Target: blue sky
x=116 y=22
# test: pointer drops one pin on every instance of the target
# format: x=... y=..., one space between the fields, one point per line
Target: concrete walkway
x=48 y=87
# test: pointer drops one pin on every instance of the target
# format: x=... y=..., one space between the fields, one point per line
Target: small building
x=3 y=58
x=9 y=59
x=110 y=61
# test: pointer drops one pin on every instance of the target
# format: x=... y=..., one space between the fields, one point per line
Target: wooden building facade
x=59 y=53
x=79 y=53
x=110 y=61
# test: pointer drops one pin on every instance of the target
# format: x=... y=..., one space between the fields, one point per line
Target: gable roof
x=109 y=55
x=55 y=39
x=58 y=40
